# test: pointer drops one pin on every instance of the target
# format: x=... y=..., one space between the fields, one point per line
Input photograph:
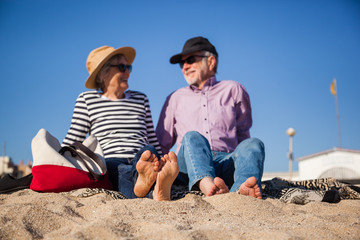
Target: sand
x=30 y=215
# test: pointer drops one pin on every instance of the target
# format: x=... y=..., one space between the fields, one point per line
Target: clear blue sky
x=285 y=53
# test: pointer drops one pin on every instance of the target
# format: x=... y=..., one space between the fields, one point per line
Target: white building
x=338 y=163
x=5 y=165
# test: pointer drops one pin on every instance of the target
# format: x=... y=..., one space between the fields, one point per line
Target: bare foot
x=166 y=177
x=210 y=186
x=147 y=167
x=250 y=188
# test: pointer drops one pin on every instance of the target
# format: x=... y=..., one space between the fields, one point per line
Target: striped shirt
x=122 y=127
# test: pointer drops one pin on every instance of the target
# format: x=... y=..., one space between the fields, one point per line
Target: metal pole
x=290 y=156
x=337 y=115
x=291 y=132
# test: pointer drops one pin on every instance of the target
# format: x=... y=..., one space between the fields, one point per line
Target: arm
x=150 y=128
x=80 y=123
x=165 y=129
x=243 y=114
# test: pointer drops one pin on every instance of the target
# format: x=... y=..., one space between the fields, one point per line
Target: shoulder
x=232 y=85
x=136 y=97
x=233 y=89
x=177 y=95
x=180 y=93
x=88 y=94
x=136 y=94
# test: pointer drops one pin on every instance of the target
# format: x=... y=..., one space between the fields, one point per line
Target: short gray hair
x=208 y=54
x=105 y=68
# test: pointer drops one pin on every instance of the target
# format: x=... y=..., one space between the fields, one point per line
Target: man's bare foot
x=210 y=186
x=147 y=167
x=250 y=188
x=166 y=177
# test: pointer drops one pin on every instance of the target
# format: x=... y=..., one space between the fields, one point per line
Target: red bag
x=62 y=169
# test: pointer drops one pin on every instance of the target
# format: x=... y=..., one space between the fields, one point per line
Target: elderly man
x=209 y=120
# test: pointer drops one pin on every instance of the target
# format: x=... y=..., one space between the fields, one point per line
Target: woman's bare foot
x=250 y=188
x=210 y=186
x=147 y=167
x=166 y=177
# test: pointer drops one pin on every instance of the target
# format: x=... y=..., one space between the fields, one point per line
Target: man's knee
x=251 y=147
x=253 y=143
x=194 y=139
x=192 y=135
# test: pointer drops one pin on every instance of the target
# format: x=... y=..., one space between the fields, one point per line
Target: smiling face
x=199 y=71
x=115 y=80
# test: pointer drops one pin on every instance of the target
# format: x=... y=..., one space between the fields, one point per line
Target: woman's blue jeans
x=197 y=161
x=123 y=173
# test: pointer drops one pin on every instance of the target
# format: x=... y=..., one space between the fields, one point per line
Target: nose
x=186 y=66
x=125 y=74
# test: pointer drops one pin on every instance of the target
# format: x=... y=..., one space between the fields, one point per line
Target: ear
x=211 y=62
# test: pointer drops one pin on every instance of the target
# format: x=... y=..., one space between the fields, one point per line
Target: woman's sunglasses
x=122 y=67
x=190 y=60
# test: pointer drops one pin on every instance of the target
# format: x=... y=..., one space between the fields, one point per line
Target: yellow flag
x=333 y=86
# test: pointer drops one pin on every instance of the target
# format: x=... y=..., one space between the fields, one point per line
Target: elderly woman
x=121 y=120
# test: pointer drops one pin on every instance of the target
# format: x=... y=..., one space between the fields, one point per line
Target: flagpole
x=337 y=111
x=291 y=132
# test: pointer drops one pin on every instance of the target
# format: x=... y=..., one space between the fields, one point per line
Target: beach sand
x=30 y=215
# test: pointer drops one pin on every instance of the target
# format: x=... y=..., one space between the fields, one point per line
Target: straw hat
x=98 y=57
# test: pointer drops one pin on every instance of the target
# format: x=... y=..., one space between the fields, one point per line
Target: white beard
x=196 y=77
x=191 y=80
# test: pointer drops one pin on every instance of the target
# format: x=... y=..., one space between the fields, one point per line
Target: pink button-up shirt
x=221 y=112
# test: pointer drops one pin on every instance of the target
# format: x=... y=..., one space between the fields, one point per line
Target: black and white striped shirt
x=122 y=127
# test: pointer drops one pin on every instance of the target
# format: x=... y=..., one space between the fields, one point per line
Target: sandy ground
x=30 y=215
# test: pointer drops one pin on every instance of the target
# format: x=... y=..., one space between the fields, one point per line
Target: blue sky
x=285 y=53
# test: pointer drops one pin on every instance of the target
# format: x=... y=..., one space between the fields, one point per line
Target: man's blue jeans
x=197 y=161
x=123 y=173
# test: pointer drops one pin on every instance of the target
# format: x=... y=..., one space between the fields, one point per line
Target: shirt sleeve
x=80 y=123
x=150 y=128
x=243 y=114
x=165 y=129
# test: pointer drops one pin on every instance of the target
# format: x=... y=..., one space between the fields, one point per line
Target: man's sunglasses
x=122 y=67
x=190 y=60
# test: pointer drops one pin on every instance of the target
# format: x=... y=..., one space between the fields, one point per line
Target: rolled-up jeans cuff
x=192 y=183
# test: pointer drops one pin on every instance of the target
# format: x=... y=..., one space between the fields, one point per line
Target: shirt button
x=207 y=132
x=204 y=105
x=205 y=119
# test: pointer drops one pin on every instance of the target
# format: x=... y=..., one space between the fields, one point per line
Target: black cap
x=194 y=45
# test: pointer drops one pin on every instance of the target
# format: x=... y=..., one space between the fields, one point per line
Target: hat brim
x=128 y=52
x=177 y=58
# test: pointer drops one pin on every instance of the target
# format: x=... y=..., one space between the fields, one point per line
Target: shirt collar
x=127 y=96
x=209 y=83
